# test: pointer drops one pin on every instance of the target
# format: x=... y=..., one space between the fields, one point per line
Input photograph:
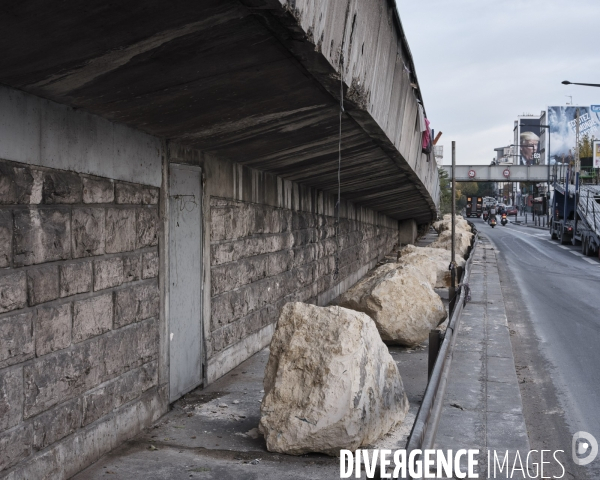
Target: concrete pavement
x=211 y=433
x=483 y=407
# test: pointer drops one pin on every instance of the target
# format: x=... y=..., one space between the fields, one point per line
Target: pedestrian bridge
x=499 y=173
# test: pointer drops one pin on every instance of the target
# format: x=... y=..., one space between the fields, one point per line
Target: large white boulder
x=330 y=382
x=432 y=262
x=462 y=242
x=402 y=302
x=446 y=224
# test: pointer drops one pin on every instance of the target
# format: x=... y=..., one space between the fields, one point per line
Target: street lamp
x=566 y=82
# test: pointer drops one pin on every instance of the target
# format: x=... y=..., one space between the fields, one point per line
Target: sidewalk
x=212 y=433
x=483 y=407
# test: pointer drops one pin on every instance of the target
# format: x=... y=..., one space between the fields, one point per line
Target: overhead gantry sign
x=499 y=173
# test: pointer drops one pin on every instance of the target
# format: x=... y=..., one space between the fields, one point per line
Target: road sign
x=471 y=173
x=506 y=173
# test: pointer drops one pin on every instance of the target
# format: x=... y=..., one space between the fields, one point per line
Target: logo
x=471 y=173
x=584 y=448
x=595 y=108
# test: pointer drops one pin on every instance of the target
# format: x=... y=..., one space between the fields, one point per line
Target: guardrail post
x=435 y=340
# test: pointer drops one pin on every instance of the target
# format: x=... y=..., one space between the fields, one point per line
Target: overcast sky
x=481 y=63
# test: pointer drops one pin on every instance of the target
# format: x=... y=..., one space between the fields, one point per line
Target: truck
x=575 y=216
x=478 y=210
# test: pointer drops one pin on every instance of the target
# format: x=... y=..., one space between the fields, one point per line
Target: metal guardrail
x=424 y=429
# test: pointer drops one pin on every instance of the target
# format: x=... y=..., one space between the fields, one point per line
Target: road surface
x=552 y=296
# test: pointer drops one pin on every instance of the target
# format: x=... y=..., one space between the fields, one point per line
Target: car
x=511 y=210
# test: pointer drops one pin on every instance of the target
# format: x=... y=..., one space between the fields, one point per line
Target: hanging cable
x=336 y=270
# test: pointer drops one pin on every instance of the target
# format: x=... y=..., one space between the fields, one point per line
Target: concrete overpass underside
x=253 y=81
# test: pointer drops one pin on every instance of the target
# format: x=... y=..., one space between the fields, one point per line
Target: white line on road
x=563 y=247
x=592 y=261
x=579 y=254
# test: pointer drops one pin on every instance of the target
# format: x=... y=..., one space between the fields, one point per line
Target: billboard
x=563 y=123
x=596 y=153
x=528 y=141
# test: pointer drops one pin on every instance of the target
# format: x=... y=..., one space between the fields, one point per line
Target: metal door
x=185 y=279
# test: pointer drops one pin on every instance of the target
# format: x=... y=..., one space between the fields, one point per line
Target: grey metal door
x=185 y=279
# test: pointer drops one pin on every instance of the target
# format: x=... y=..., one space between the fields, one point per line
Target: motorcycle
x=504 y=220
x=492 y=222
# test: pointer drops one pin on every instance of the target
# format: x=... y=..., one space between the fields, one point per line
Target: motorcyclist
x=492 y=213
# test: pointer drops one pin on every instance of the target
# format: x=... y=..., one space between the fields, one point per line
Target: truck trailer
x=576 y=216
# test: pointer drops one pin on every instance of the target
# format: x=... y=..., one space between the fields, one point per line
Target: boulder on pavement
x=462 y=241
x=330 y=382
x=401 y=300
x=432 y=262
x=446 y=224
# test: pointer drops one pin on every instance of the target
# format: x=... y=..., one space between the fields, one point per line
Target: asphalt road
x=552 y=297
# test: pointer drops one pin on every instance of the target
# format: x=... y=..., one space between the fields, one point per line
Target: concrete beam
x=496 y=173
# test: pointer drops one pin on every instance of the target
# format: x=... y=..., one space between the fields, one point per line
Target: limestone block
x=6 y=234
x=402 y=302
x=131 y=347
x=108 y=273
x=101 y=401
x=130 y=193
x=136 y=303
x=15 y=445
x=42 y=284
x=11 y=397
x=75 y=278
x=150 y=265
x=56 y=378
x=52 y=329
x=330 y=383
x=13 y=291
x=15 y=184
x=51 y=426
x=88 y=232
x=132 y=267
x=147 y=227
x=120 y=230
x=429 y=260
x=98 y=190
x=61 y=187
x=92 y=317
x=235 y=274
x=41 y=235
x=462 y=240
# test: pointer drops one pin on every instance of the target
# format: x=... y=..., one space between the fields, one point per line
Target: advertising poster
x=596 y=153
x=563 y=123
x=528 y=141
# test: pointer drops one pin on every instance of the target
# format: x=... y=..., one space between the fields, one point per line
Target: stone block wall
x=262 y=257
x=79 y=315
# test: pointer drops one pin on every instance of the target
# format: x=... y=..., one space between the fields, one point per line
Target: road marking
x=563 y=247
x=579 y=254
x=592 y=261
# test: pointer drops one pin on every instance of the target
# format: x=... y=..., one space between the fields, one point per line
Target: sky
x=481 y=63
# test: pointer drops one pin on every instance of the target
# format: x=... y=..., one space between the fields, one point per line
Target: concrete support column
x=407 y=231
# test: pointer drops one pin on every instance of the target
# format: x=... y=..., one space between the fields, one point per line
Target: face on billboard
x=529 y=141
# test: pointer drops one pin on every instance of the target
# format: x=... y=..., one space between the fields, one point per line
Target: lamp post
x=566 y=82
